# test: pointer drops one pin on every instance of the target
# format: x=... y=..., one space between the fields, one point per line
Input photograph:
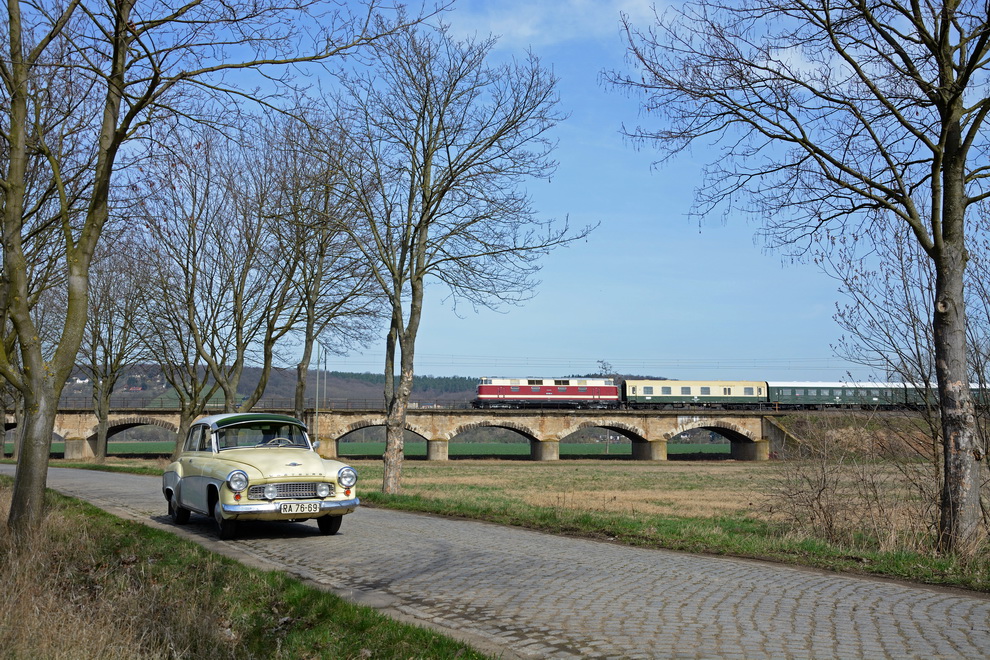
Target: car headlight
x=237 y=480
x=322 y=490
x=271 y=491
x=346 y=477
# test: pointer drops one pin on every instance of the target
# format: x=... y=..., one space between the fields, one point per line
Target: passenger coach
x=817 y=395
x=690 y=393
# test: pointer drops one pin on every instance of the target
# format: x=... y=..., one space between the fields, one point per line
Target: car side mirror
x=316 y=445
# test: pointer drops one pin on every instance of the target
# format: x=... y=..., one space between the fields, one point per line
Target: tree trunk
x=101 y=401
x=960 y=520
x=302 y=371
x=31 y=475
x=395 y=418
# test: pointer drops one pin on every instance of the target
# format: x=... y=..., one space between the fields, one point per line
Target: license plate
x=299 y=507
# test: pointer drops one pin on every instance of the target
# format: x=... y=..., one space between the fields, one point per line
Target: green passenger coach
x=816 y=395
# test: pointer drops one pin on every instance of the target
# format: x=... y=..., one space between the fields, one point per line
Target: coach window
x=706 y=391
x=647 y=389
x=665 y=390
x=747 y=391
x=759 y=391
x=726 y=391
x=686 y=391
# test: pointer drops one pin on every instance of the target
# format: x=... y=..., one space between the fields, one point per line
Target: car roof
x=230 y=419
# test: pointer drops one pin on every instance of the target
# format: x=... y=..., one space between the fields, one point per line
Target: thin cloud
x=525 y=23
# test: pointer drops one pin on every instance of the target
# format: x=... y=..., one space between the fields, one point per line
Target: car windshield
x=261 y=434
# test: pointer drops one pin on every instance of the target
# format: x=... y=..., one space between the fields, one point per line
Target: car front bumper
x=270 y=509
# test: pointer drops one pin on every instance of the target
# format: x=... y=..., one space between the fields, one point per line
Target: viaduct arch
x=751 y=434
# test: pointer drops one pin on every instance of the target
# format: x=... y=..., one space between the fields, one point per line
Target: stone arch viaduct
x=752 y=434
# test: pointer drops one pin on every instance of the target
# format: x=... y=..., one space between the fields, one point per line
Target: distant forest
x=145 y=383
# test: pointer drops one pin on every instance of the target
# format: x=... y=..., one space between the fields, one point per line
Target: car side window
x=197 y=440
x=205 y=441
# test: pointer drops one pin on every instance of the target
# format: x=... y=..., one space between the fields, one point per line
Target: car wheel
x=329 y=525
x=178 y=513
x=226 y=527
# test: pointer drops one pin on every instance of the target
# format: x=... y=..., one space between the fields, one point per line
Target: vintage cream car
x=256 y=466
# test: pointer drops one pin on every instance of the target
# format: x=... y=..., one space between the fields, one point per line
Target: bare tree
x=215 y=211
x=834 y=117
x=337 y=300
x=138 y=66
x=111 y=343
x=439 y=142
x=165 y=299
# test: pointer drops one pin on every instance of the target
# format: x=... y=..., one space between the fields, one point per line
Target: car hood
x=283 y=462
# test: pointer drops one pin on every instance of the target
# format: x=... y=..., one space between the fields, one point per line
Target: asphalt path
x=522 y=594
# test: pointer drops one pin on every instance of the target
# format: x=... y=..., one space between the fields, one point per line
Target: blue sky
x=651 y=291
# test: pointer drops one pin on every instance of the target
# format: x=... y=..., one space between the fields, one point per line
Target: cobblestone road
x=521 y=594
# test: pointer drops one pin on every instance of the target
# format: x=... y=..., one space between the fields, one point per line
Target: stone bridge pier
x=750 y=433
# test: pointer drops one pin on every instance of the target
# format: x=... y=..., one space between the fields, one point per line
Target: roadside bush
x=851 y=481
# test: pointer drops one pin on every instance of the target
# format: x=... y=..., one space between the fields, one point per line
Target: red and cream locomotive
x=598 y=393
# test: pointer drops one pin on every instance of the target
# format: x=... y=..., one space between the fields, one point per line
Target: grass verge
x=124 y=590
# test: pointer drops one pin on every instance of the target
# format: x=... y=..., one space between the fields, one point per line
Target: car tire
x=329 y=525
x=178 y=513
x=226 y=527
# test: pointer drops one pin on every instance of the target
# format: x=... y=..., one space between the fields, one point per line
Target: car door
x=195 y=453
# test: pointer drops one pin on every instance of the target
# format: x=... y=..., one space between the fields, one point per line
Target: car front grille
x=287 y=491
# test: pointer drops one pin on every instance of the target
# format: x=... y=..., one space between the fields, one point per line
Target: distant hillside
x=145 y=383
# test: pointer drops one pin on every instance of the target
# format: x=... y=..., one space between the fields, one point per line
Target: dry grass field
x=695 y=489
